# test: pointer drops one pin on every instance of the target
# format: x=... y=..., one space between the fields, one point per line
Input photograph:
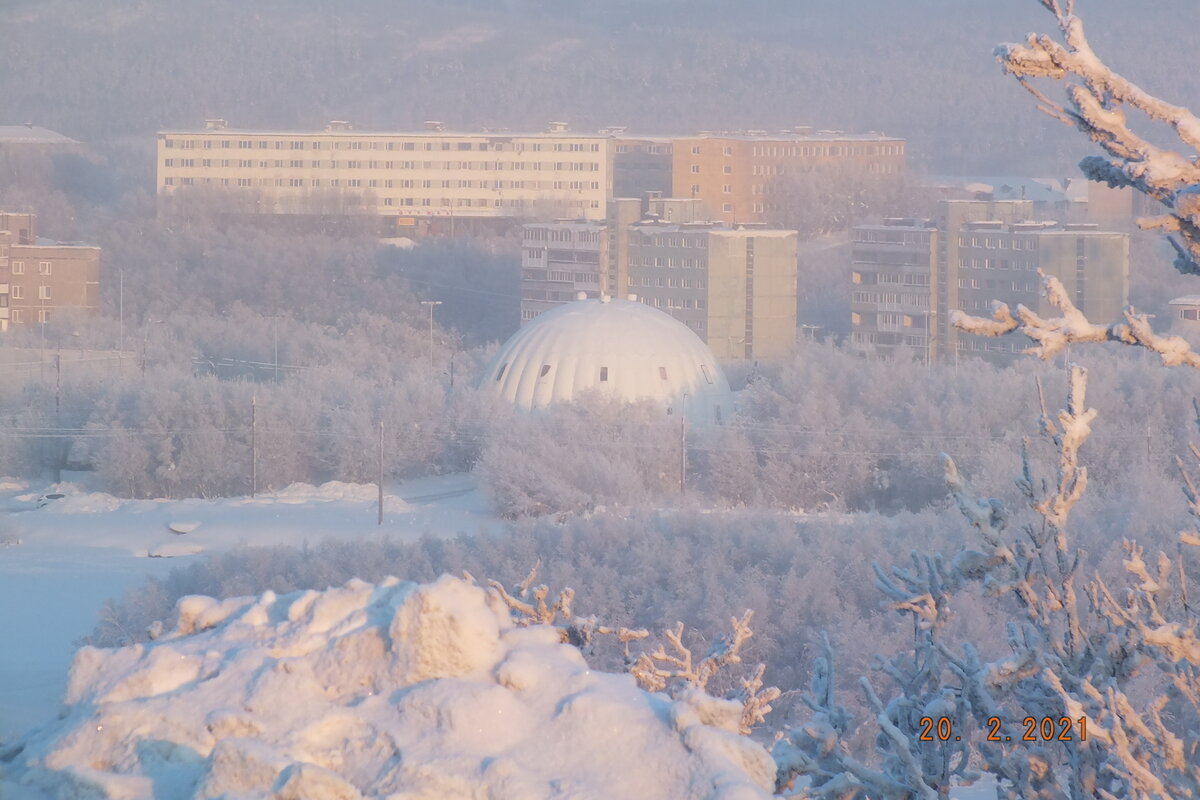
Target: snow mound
x=388 y=690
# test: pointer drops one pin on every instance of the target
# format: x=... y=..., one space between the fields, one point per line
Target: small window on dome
x=707 y=374
x=717 y=412
x=500 y=374
x=662 y=373
x=544 y=371
x=604 y=374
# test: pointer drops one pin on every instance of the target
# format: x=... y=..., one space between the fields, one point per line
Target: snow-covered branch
x=1097 y=99
x=1052 y=336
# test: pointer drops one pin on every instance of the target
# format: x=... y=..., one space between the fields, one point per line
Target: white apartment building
x=407 y=176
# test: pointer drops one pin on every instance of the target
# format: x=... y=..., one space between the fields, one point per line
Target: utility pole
x=683 y=445
x=121 y=314
x=380 y=472
x=253 y=445
x=432 y=304
x=58 y=380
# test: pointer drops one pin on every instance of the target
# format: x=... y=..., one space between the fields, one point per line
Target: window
x=696 y=150
x=43 y=315
x=43 y=267
x=43 y=292
x=18 y=315
x=544 y=371
x=18 y=293
x=604 y=374
x=728 y=170
x=503 y=367
x=662 y=373
x=696 y=168
x=707 y=374
x=727 y=207
x=18 y=268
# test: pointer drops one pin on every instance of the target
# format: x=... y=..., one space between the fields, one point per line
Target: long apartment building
x=426 y=174
x=909 y=274
x=734 y=286
x=40 y=280
x=746 y=177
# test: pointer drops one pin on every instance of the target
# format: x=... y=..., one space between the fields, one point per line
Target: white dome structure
x=620 y=347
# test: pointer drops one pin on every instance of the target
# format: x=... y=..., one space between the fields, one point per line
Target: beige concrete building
x=909 y=274
x=431 y=176
x=39 y=280
x=743 y=177
x=735 y=287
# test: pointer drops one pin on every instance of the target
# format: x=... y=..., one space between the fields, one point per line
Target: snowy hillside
x=372 y=690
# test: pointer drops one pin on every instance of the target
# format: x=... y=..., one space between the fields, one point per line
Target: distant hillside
x=103 y=69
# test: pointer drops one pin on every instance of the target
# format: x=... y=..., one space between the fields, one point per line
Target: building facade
x=909 y=274
x=428 y=175
x=734 y=287
x=558 y=261
x=40 y=280
x=744 y=178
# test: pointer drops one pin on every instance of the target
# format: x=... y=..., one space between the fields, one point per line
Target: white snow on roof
x=1186 y=300
x=31 y=134
x=372 y=691
x=622 y=347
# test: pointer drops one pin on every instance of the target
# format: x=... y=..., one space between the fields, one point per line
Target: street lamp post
x=432 y=304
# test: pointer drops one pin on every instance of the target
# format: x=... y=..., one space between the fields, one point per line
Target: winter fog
x=529 y=399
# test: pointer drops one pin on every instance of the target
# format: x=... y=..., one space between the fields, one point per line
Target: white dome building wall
x=646 y=354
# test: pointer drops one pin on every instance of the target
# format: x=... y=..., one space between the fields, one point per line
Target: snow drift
x=389 y=690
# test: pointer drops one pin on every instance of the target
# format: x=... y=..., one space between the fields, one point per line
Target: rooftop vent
x=338 y=125
x=558 y=127
x=215 y=124
x=435 y=125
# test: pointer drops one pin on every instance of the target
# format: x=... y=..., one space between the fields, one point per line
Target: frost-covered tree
x=1099 y=101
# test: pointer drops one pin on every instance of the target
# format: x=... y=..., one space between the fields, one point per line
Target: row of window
x=489 y=166
x=299 y=183
x=296 y=144
x=997 y=263
x=1014 y=286
x=17 y=292
x=890 y=298
x=537 y=234
x=669 y=283
x=18 y=316
x=663 y=240
x=999 y=242
x=44 y=267
x=666 y=261
x=892 y=237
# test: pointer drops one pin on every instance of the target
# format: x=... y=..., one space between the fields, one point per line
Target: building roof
x=32 y=134
x=1186 y=300
x=620 y=347
x=1006 y=187
x=355 y=133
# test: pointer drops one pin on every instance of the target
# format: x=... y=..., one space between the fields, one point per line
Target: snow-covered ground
x=87 y=547
x=370 y=691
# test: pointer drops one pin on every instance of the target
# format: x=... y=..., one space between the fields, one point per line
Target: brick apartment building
x=37 y=280
x=743 y=177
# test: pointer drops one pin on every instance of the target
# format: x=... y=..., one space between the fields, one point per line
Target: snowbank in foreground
x=369 y=691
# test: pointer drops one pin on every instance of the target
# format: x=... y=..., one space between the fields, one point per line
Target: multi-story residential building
x=641 y=165
x=735 y=287
x=431 y=175
x=910 y=274
x=558 y=261
x=894 y=276
x=744 y=178
x=38 y=280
